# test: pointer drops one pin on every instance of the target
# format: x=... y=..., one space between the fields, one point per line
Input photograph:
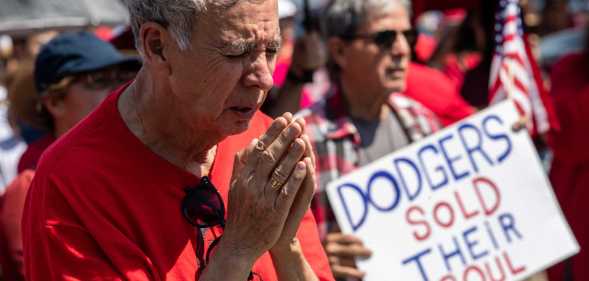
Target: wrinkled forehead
x=251 y=20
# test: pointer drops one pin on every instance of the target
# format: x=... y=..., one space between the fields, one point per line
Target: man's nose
x=259 y=72
x=401 y=46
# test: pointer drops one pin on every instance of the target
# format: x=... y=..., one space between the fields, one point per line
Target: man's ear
x=54 y=105
x=337 y=49
x=155 y=43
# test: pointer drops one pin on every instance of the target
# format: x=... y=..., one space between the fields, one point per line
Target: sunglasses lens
x=410 y=36
x=385 y=39
x=203 y=206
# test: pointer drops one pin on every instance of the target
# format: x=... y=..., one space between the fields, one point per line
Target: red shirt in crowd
x=570 y=167
x=421 y=6
x=14 y=202
x=102 y=206
x=10 y=217
x=30 y=158
x=433 y=89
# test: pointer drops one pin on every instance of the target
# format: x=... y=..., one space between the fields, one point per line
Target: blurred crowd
x=327 y=70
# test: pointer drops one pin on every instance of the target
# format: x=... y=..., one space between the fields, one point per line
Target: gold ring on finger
x=279 y=176
x=275 y=184
x=260 y=147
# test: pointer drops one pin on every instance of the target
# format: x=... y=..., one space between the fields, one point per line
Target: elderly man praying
x=176 y=175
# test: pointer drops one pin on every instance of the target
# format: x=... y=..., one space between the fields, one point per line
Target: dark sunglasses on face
x=203 y=207
x=386 y=38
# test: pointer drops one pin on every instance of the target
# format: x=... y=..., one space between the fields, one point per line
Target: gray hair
x=177 y=16
x=343 y=17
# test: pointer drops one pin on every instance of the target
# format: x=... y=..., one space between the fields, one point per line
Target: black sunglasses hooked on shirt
x=386 y=38
x=203 y=208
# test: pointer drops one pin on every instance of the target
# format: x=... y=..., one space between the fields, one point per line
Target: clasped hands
x=271 y=189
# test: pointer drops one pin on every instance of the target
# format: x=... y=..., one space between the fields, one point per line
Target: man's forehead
x=225 y=4
x=242 y=11
x=249 y=20
x=395 y=19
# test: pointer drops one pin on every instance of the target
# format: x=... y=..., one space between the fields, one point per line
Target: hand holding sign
x=342 y=250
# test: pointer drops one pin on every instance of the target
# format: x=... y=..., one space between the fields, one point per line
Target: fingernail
x=310 y=162
x=301 y=121
x=287 y=116
x=294 y=129
x=300 y=142
x=301 y=165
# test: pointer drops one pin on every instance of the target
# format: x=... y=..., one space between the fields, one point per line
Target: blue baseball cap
x=74 y=53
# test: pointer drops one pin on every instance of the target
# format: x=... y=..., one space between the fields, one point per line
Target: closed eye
x=271 y=51
x=236 y=56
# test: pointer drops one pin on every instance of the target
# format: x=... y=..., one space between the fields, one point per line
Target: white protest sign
x=469 y=203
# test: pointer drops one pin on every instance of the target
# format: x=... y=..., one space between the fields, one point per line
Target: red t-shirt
x=102 y=206
x=435 y=91
x=421 y=6
x=570 y=168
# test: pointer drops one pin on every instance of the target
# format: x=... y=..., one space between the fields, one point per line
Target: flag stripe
x=512 y=75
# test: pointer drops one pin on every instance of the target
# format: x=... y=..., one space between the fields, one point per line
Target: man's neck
x=59 y=129
x=150 y=121
x=361 y=107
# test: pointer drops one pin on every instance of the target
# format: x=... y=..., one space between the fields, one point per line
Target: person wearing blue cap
x=73 y=73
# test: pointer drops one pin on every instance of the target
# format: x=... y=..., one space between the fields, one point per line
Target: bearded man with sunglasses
x=364 y=116
x=177 y=176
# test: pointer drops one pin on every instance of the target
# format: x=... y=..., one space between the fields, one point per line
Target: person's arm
x=304 y=254
x=11 y=216
x=240 y=261
x=299 y=245
x=287 y=254
x=291 y=263
x=540 y=276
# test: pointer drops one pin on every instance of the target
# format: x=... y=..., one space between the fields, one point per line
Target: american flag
x=513 y=72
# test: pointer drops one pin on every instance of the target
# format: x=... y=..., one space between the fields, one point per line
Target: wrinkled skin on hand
x=262 y=217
